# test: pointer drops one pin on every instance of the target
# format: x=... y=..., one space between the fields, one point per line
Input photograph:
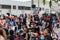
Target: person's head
x=55 y=25
x=46 y=31
x=3 y=33
x=11 y=32
x=32 y=25
x=20 y=32
x=47 y=24
x=25 y=15
x=26 y=30
x=42 y=8
x=8 y=14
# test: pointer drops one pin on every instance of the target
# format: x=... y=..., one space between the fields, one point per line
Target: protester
x=3 y=35
x=47 y=34
x=11 y=36
x=30 y=27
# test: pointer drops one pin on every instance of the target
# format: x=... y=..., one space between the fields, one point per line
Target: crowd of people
x=40 y=26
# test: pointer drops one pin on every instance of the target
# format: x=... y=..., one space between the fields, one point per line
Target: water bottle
x=42 y=37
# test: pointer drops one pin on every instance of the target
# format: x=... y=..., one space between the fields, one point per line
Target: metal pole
x=31 y=6
x=32 y=2
x=11 y=8
x=38 y=6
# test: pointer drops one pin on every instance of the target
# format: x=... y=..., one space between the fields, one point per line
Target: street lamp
x=38 y=5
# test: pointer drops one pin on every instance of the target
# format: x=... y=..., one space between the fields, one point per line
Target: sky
x=21 y=0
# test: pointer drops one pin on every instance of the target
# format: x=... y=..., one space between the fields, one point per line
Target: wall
x=15 y=12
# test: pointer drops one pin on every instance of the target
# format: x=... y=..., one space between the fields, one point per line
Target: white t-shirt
x=56 y=30
x=41 y=13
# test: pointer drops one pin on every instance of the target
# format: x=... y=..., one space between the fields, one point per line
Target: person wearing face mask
x=47 y=35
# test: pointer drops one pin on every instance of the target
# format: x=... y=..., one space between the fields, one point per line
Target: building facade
x=17 y=7
x=14 y=7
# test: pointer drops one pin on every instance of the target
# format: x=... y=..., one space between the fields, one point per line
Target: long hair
x=3 y=33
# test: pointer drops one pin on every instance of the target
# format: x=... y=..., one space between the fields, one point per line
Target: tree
x=43 y=2
x=50 y=3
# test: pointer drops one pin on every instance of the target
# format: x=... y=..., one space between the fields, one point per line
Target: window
x=14 y=7
x=20 y=7
x=23 y=7
x=27 y=8
x=0 y=6
x=5 y=6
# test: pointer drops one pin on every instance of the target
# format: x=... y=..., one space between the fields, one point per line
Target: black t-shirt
x=23 y=36
x=48 y=37
x=36 y=18
x=12 y=37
